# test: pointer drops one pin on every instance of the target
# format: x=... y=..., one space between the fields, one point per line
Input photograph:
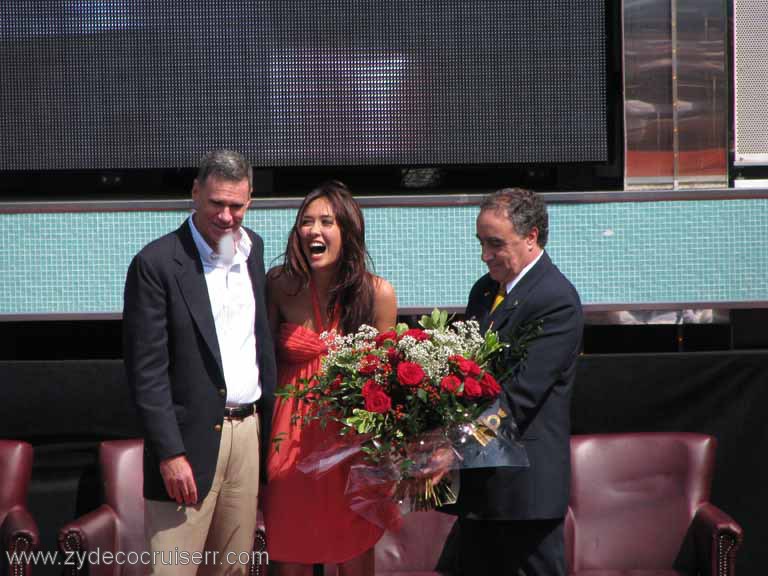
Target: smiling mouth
x=316 y=248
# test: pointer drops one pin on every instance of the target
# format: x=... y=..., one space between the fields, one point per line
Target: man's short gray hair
x=524 y=208
x=227 y=165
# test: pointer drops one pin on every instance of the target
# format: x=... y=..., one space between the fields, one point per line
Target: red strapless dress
x=308 y=519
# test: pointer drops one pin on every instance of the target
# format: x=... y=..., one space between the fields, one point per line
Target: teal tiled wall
x=622 y=253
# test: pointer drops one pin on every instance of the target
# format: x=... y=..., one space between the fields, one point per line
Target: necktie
x=500 y=295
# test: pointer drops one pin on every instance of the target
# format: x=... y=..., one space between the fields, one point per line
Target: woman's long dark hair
x=353 y=288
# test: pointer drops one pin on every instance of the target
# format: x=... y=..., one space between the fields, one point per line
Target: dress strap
x=319 y=324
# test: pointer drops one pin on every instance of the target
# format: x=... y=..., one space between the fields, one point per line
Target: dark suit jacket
x=172 y=357
x=538 y=393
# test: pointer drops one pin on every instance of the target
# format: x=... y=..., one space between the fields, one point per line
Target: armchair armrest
x=97 y=529
x=19 y=524
x=717 y=537
x=259 y=557
x=19 y=535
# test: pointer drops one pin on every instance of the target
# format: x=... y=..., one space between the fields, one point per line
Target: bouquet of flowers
x=416 y=402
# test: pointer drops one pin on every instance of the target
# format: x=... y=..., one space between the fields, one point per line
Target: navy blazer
x=172 y=357
x=538 y=392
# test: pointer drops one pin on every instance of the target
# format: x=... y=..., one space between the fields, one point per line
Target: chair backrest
x=633 y=497
x=122 y=475
x=416 y=547
x=15 y=472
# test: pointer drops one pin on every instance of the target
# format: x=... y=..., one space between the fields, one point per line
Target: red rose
x=376 y=400
x=466 y=367
x=417 y=334
x=369 y=364
x=391 y=335
x=393 y=356
x=450 y=383
x=409 y=374
x=369 y=387
x=472 y=388
x=489 y=385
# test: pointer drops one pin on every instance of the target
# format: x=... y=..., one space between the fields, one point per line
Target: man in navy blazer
x=511 y=520
x=200 y=364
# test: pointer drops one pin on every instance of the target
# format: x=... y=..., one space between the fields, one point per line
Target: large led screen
x=154 y=83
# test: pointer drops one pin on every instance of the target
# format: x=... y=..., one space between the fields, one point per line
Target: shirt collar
x=512 y=283
x=211 y=258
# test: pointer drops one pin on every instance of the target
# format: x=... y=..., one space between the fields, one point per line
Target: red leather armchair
x=18 y=529
x=640 y=505
x=118 y=524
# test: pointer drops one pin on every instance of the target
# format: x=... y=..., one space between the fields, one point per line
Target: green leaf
x=278 y=439
x=438 y=320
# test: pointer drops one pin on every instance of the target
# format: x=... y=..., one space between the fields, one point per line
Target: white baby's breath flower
x=462 y=338
x=364 y=336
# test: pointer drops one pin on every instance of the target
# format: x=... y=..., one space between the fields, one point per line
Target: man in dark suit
x=511 y=520
x=200 y=364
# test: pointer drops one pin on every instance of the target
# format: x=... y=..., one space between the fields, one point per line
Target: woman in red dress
x=323 y=284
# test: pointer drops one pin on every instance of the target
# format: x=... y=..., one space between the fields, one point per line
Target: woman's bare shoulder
x=382 y=287
x=384 y=304
x=280 y=284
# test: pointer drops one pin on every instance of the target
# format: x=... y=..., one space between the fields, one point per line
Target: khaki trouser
x=216 y=535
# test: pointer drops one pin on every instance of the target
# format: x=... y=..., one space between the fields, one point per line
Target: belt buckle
x=239 y=412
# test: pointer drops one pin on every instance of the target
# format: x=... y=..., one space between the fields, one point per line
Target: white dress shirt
x=234 y=313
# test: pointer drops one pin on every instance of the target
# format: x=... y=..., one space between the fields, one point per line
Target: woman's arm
x=384 y=305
